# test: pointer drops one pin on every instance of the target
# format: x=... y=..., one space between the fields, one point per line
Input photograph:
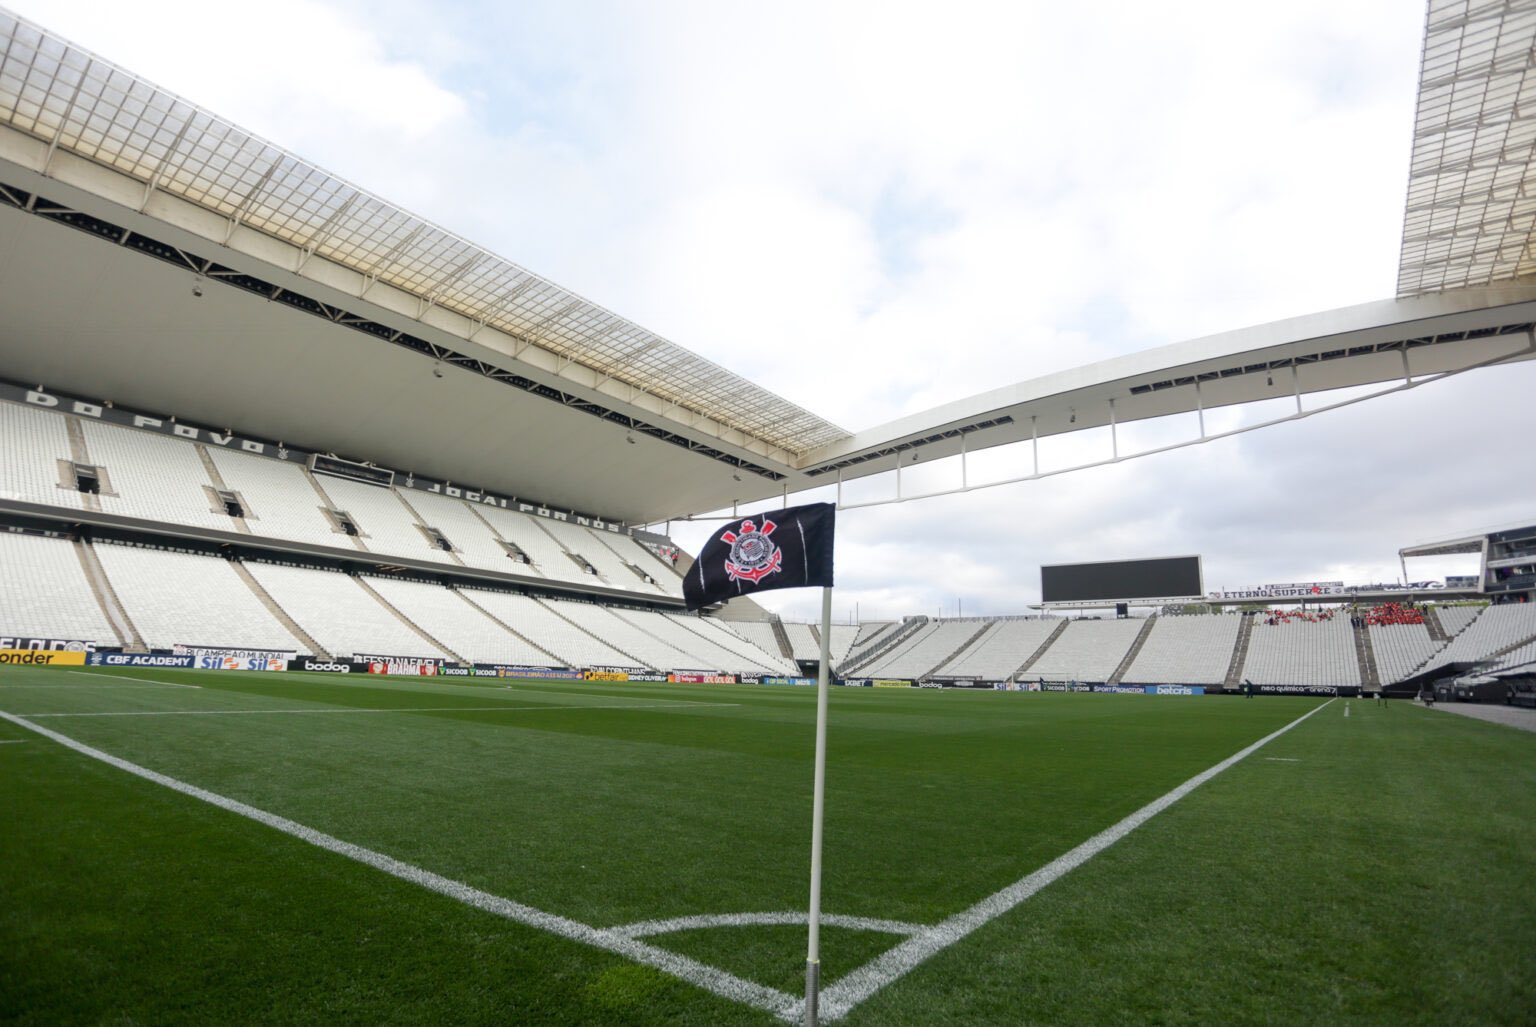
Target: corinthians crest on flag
x=788 y=548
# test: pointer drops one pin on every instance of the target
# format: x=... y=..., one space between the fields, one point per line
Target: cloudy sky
x=873 y=208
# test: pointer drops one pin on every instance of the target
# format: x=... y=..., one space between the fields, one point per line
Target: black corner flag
x=789 y=548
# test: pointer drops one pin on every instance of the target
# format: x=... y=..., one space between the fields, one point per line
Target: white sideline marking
x=693 y=972
x=647 y=928
x=839 y=999
x=370 y=709
x=153 y=681
x=836 y=1001
x=11 y=741
x=1281 y=759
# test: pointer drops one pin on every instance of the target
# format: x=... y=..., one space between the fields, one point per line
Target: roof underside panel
x=1470 y=211
x=77 y=102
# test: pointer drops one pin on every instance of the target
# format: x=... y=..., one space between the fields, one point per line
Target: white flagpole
x=813 y=947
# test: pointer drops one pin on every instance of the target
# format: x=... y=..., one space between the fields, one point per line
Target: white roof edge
x=47 y=73
x=1163 y=360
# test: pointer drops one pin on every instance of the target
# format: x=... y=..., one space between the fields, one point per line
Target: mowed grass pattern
x=1315 y=889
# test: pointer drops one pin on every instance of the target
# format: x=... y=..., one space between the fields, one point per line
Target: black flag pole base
x=812 y=989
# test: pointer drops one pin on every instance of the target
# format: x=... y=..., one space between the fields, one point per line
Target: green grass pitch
x=1374 y=868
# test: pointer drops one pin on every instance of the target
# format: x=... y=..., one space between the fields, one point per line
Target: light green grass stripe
x=383 y=709
x=691 y=971
x=838 y=1000
x=152 y=681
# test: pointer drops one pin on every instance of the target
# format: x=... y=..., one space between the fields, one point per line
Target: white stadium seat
x=339 y=613
x=34 y=442
x=1300 y=652
x=1088 y=650
x=44 y=592
x=185 y=599
x=1186 y=650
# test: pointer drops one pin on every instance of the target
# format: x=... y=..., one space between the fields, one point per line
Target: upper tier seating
x=583 y=542
x=1088 y=650
x=525 y=532
x=631 y=551
x=386 y=523
x=998 y=654
x=1297 y=652
x=151 y=476
x=185 y=599
x=470 y=536
x=339 y=613
x=155 y=477
x=279 y=500
x=44 y=592
x=35 y=441
x=1186 y=650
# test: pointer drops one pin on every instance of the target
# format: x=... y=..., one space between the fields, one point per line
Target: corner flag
x=788 y=549
x=791 y=548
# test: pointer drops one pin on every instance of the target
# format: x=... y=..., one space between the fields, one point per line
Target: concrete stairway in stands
x=403 y=619
x=1437 y=632
x=468 y=597
x=1130 y=656
x=1034 y=657
x=1365 y=653
x=962 y=647
x=315 y=649
x=888 y=641
x=106 y=595
x=786 y=648
x=1239 y=653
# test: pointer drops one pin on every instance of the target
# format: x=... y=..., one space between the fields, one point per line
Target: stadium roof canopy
x=215 y=276
x=1471 y=209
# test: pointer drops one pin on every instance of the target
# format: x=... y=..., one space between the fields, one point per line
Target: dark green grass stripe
x=126 y=903
x=693 y=972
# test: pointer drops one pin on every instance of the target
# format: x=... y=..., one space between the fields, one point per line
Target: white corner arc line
x=647 y=928
x=839 y=999
x=693 y=972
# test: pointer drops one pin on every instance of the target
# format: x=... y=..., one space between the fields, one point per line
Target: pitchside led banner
x=788 y=549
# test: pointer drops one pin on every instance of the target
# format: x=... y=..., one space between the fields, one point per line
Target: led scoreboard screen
x=1172 y=577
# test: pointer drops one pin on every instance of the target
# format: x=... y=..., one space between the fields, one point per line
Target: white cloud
x=876 y=208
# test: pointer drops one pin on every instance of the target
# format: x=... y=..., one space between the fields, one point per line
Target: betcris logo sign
x=138 y=660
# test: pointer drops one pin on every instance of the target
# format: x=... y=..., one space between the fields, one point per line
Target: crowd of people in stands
x=1273 y=617
x=1386 y=613
x=1389 y=613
